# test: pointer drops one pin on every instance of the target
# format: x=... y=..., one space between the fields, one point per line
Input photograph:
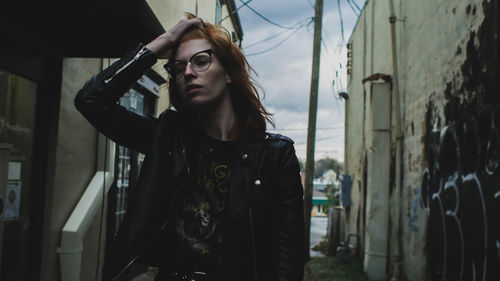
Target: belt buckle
x=199 y=276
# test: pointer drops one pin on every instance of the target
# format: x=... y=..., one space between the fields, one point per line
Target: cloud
x=285 y=13
x=284 y=73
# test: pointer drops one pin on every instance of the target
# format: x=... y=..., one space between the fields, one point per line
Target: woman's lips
x=193 y=88
x=193 y=91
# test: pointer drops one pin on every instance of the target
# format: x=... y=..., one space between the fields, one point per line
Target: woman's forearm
x=98 y=100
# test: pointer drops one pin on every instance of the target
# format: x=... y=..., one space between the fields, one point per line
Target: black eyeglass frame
x=169 y=66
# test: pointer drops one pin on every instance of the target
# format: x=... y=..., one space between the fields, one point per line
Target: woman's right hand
x=162 y=44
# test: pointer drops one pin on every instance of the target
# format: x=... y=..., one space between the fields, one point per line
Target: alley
x=318 y=231
x=380 y=118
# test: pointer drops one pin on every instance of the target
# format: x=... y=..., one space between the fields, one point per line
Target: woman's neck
x=219 y=123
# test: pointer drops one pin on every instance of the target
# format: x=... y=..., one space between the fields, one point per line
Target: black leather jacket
x=265 y=240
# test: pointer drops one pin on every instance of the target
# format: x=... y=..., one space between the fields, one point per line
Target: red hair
x=250 y=113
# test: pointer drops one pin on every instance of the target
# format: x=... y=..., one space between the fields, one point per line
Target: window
x=141 y=99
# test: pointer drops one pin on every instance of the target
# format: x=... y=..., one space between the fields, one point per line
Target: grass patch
x=332 y=268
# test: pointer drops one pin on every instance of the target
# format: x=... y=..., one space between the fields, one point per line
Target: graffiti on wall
x=460 y=193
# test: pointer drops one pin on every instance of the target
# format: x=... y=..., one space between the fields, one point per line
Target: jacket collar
x=247 y=147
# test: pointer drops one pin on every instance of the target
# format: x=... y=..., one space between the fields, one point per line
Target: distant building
x=320 y=200
x=429 y=210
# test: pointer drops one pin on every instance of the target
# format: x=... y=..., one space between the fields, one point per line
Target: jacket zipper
x=134 y=59
x=163 y=225
x=253 y=244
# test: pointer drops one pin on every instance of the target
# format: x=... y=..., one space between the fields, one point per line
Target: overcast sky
x=284 y=72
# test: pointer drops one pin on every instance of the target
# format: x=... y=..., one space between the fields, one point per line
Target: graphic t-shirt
x=200 y=215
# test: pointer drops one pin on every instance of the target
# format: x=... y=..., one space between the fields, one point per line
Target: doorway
x=18 y=101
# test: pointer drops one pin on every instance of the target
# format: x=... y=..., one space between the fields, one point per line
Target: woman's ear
x=228 y=79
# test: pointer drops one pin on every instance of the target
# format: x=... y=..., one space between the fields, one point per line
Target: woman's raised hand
x=162 y=44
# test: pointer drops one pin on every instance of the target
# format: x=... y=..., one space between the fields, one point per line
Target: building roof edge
x=235 y=18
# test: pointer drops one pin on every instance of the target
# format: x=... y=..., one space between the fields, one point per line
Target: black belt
x=188 y=276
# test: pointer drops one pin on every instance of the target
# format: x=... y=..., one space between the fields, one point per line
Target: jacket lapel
x=245 y=173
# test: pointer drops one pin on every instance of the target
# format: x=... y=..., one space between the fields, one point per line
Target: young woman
x=217 y=198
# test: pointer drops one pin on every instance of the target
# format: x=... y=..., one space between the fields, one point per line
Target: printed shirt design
x=200 y=210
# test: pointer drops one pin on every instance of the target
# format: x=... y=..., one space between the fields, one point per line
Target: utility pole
x=311 y=129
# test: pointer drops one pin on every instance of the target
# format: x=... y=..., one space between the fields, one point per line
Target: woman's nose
x=189 y=70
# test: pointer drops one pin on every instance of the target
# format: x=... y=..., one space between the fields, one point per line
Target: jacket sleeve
x=98 y=101
x=289 y=218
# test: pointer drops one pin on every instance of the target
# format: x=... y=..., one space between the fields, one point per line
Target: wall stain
x=413 y=210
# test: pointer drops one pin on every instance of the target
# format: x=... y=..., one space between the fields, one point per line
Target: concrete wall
x=448 y=60
x=75 y=163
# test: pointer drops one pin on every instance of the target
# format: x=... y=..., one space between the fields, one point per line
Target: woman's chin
x=196 y=103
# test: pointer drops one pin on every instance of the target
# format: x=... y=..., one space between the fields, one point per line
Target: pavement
x=318 y=230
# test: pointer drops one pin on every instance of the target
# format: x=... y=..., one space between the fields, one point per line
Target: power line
x=356 y=12
x=338 y=109
x=341 y=20
x=311 y=3
x=324 y=45
x=340 y=117
x=300 y=23
x=317 y=150
x=275 y=46
x=327 y=37
x=264 y=40
x=354 y=2
x=322 y=139
x=263 y=17
x=235 y=11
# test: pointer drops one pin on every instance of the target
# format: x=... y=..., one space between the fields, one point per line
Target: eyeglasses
x=199 y=62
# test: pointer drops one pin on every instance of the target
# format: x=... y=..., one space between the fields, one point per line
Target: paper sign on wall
x=12 y=200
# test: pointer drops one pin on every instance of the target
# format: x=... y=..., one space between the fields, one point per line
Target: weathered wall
x=449 y=79
x=75 y=163
x=370 y=54
x=461 y=197
x=459 y=188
